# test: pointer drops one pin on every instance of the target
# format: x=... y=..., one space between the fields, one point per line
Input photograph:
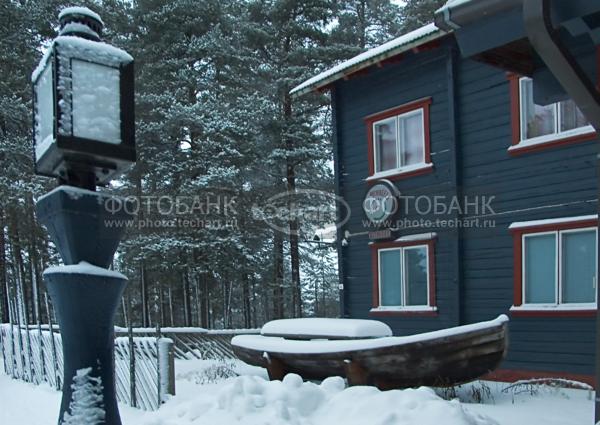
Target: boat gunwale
x=497 y=328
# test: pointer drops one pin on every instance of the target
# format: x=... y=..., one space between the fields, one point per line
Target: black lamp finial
x=80 y=22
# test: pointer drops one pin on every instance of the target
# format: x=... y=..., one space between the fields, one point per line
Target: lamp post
x=84 y=136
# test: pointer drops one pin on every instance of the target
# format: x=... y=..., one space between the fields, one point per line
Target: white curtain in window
x=570 y=116
x=538 y=120
x=411 y=137
x=385 y=145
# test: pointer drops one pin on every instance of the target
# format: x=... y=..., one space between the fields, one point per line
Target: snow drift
x=252 y=400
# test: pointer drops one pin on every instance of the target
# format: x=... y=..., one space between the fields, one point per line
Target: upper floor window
x=536 y=126
x=556 y=265
x=550 y=120
x=399 y=141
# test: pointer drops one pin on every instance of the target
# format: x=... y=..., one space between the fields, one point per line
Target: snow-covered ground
x=205 y=397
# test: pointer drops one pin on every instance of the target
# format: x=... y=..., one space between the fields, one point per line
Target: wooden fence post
x=12 y=351
x=57 y=379
x=42 y=360
x=2 y=342
x=166 y=367
x=132 y=397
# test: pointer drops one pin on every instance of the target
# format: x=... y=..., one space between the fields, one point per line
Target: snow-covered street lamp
x=84 y=136
x=83 y=104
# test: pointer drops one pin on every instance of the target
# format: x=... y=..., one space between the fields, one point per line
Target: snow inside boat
x=364 y=352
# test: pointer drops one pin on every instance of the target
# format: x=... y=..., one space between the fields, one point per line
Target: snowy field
x=205 y=396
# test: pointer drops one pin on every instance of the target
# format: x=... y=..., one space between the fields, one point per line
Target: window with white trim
x=559 y=268
x=399 y=141
x=404 y=276
x=540 y=123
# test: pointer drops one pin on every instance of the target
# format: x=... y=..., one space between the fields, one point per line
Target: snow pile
x=251 y=400
x=336 y=406
x=348 y=328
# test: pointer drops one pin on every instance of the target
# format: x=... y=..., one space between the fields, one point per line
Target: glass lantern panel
x=96 y=102
x=44 y=111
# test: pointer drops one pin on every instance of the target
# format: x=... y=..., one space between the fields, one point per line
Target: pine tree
x=24 y=27
x=87 y=403
x=417 y=13
x=362 y=24
x=213 y=118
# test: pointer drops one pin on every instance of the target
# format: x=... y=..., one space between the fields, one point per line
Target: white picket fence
x=196 y=343
x=144 y=366
x=144 y=357
x=32 y=355
x=147 y=378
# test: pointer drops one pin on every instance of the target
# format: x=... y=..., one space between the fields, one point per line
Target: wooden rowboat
x=441 y=358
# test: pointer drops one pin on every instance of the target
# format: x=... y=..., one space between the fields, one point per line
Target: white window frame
x=559 y=305
x=399 y=168
x=401 y=269
x=556 y=135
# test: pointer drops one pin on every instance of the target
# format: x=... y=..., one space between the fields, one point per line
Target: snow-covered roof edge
x=550 y=221
x=393 y=47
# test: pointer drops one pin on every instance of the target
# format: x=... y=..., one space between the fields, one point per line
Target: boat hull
x=444 y=361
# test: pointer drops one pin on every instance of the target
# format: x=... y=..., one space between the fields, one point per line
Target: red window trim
x=430 y=243
x=518 y=268
x=559 y=313
x=515 y=119
x=407 y=107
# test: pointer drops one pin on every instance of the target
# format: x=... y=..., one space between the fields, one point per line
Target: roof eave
x=367 y=63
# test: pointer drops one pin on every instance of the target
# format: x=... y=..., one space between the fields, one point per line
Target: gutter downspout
x=546 y=42
x=454 y=17
x=548 y=45
x=456 y=176
x=339 y=187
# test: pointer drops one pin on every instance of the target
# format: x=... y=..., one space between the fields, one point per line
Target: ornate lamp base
x=84 y=292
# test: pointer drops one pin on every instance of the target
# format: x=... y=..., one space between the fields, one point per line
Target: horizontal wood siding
x=556 y=182
x=416 y=77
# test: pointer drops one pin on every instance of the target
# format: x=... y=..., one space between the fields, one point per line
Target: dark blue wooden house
x=495 y=198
